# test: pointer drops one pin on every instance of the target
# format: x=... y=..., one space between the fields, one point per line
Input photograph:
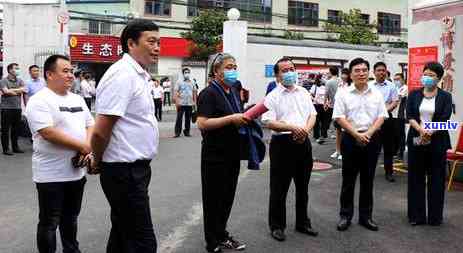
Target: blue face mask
x=230 y=77
x=289 y=78
x=428 y=82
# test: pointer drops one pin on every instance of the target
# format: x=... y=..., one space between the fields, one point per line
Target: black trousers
x=388 y=141
x=59 y=206
x=88 y=101
x=158 y=108
x=401 y=138
x=322 y=123
x=187 y=110
x=358 y=159
x=125 y=186
x=167 y=98
x=11 y=124
x=424 y=162
x=218 y=181
x=289 y=161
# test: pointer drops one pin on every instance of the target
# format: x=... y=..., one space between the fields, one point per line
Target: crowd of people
x=120 y=142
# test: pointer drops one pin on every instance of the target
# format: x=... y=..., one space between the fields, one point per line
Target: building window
x=99 y=27
x=365 y=18
x=251 y=10
x=158 y=7
x=334 y=16
x=388 y=23
x=301 y=13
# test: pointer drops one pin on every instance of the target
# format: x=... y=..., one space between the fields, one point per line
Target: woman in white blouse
x=427 y=148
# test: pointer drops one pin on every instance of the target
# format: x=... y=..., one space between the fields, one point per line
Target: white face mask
x=187 y=76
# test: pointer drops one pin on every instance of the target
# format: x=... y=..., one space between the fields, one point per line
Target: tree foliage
x=205 y=33
x=352 y=29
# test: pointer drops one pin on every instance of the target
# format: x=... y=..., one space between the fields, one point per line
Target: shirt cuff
x=110 y=112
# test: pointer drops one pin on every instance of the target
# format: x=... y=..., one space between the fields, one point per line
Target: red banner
x=105 y=48
x=95 y=48
x=417 y=58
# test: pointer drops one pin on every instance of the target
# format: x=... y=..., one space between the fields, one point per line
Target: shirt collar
x=131 y=61
x=12 y=78
x=353 y=89
x=286 y=90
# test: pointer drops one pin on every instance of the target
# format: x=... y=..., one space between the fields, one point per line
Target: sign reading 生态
x=417 y=58
x=95 y=48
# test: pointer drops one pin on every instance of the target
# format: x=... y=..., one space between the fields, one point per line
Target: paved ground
x=176 y=208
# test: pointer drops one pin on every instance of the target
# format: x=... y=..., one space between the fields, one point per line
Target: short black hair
x=379 y=64
x=33 y=66
x=276 y=68
x=185 y=69
x=401 y=75
x=334 y=71
x=358 y=61
x=345 y=71
x=50 y=63
x=435 y=67
x=11 y=66
x=134 y=29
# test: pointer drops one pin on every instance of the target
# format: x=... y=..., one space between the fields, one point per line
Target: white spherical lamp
x=233 y=14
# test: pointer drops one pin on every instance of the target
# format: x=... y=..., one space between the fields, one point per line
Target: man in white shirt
x=87 y=90
x=61 y=127
x=291 y=116
x=387 y=134
x=126 y=139
x=400 y=114
x=167 y=86
x=360 y=110
x=157 y=96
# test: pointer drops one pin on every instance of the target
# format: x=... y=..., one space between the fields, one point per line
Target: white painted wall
x=260 y=55
x=428 y=34
x=27 y=30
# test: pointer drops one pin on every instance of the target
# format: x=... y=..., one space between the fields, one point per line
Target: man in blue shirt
x=35 y=83
x=391 y=98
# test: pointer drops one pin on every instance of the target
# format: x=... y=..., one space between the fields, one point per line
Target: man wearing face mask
x=12 y=88
x=391 y=98
x=219 y=119
x=291 y=116
x=185 y=98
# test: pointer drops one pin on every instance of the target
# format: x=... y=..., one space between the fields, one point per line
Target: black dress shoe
x=176 y=136
x=278 y=235
x=308 y=230
x=343 y=224
x=19 y=151
x=416 y=223
x=7 y=153
x=390 y=178
x=434 y=223
x=369 y=224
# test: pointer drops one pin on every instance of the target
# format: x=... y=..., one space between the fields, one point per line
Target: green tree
x=205 y=33
x=352 y=29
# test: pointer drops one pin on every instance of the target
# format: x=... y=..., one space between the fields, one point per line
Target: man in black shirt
x=219 y=118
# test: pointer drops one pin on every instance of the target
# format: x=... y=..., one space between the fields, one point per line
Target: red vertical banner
x=417 y=58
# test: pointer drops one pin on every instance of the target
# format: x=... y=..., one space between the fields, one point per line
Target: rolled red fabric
x=256 y=111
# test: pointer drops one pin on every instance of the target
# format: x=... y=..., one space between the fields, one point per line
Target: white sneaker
x=334 y=155
x=333 y=137
x=340 y=157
